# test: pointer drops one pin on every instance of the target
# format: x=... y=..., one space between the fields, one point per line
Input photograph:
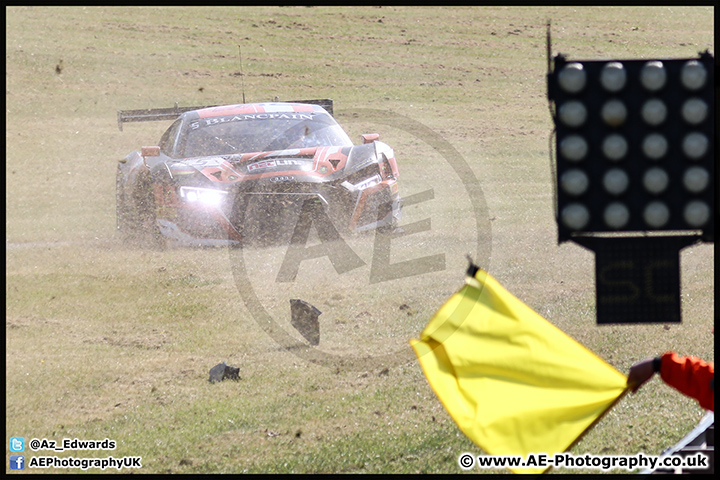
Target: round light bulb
x=616 y=181
x=573 y=148
x=573 y=113
x=614 y=112
x=696 y=213
x=574 y=182
x=693 y=75
x=615 y=147
x=654 y=111
x=653 y=76
x=696 y=179
x=616 y=215
x=613 y=77
x=575 y=216
x=656 y=214
x=695 y=145
x=656 y=180
x=694 y=111
x=655 y=146
x=572 y=78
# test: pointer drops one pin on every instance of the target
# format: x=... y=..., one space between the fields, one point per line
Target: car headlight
x=368 y=182
x=205 y=196
x=362 y=184
x=362 y=179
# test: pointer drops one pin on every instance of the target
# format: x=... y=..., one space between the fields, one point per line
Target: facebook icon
x=17 y=462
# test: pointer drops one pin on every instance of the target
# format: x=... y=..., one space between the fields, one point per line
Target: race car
x=253 y=172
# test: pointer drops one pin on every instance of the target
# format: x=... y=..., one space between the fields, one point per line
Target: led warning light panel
x=634 y=145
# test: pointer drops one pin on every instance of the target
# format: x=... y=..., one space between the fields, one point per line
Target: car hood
x=311 y=164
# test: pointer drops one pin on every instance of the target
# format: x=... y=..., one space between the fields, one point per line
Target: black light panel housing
x=634 y=145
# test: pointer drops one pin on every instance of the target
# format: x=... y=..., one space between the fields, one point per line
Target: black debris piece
x=222 y=371
x=304 y=317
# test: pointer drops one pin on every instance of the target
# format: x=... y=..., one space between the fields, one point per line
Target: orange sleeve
x=691 y=376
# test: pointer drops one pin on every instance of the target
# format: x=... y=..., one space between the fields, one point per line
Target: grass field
x=104 y=340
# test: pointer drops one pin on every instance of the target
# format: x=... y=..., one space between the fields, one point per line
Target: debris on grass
x=222 y=371
x=304 y=317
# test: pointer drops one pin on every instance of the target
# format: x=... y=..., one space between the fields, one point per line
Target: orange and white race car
x=253 y=172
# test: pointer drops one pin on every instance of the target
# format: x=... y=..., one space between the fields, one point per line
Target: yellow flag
x=514 y=383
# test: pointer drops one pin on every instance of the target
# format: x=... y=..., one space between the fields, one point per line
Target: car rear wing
x=156 y=114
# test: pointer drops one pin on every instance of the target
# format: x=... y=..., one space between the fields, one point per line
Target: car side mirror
x=150 y=151
x=369 y=137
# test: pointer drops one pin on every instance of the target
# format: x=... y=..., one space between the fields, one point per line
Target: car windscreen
x=260 y=132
